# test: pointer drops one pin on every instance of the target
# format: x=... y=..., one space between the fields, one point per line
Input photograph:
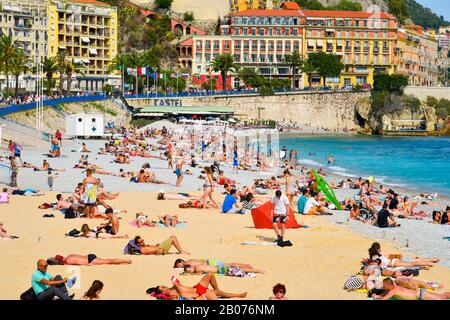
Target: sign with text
x=168 y=102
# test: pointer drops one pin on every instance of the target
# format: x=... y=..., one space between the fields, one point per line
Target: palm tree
x=19 y=64
x=68 y=69
x=223 y=64
x=295 y=62
x=50 y=67
x=7 y=51
x=308 y=69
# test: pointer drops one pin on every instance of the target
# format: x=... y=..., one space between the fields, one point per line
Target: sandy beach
x=315 y=267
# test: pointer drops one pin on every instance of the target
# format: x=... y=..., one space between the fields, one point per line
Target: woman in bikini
x=142 y=220
x=375 y=252
x=89 y=195
x=88 y=260
x=208 y=188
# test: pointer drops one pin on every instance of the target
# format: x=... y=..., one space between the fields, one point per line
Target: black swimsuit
x=91 y=257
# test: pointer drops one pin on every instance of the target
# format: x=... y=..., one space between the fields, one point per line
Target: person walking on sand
x=280 y=209
x=208 y=188
x=58 y=136
x=179 y=169
x=14 y=171
x=89 y=195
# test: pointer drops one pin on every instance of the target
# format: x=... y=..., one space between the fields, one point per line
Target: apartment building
x=261 y=39
x=242 y=5
x=86 y=30
x=417 y=56
x=26 y=21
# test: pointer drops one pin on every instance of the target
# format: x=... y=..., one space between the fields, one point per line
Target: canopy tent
x=263 y=220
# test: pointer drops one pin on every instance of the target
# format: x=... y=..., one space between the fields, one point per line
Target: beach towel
x=178 y=225
x=263 y=220
x=446 y=238
x=261 y=243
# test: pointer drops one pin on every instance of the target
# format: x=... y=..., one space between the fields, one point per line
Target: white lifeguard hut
x=85 y=125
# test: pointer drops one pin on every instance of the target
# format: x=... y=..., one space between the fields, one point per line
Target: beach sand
x=316 y=267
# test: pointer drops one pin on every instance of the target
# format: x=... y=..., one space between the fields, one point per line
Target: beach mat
x=158 y=225
x=262 y=218
x=260 y=243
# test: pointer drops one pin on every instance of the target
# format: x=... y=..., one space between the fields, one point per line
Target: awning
x=86 y=60
x=310 y=43
x=340 y=43
x=62 y=47
x=6 y=7
x=329 y=41
x=93 y=51
x=76 y=60
x=330 y=30
x=319 y=43
x=85 y=39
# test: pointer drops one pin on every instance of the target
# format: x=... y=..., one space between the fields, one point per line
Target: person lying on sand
x=175 y=196
x=149 y=177
x=4 y=234
x=138 y=246
x=180 y=263
x=86 y=232
x=197 y=204
x=375 y=252
x=85 y=260
x=399 y=293
x=199 y=291
x=143 y=220
x=46 y=167
x=168 y=220
x=222 y=270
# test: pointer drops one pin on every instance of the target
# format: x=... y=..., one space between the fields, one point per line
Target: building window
x=261 y=31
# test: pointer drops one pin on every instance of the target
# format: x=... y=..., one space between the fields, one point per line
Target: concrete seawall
x=328 y=110
x=423 y=92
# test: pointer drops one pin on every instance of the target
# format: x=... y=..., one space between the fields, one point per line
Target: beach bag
x=70 y=214
x=73 y=233
x=353 y=283
x=28 y=295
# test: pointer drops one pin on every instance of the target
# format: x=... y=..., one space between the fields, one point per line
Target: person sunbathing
x=175 y=196
x=180 y=263
x=222 y=270
x=4 y=234
x=138 y=246
x=46 y=167
x=197 y=204
x=86 y=232
x=87 y=260
x=143 y=220
x=200 y=290
x=394 y=291
x=168 y=220
x=375 y=252
x=61 y=203
x=84 y=148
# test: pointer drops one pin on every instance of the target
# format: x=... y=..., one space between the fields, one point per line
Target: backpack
x=28 y=295
x=70 y=213
x=353 y=283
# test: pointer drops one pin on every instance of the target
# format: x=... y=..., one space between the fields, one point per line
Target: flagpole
x=147 y=80
x=137 y=84
x=156 y=77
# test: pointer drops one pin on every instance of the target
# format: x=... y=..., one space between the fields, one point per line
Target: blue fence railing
x=5 y=174
x=49 y=102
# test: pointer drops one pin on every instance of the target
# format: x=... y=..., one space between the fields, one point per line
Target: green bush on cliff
x=390 y=82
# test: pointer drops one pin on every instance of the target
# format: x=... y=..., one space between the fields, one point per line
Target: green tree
x=68 y=69
x=346 y=5
x=390 y=83
x=188 y=16
x=250 y=77
x=7 y=51
x=444 y=103
x=399 y=9
x=224 y=63
x=431 y=102
x=19 y=65
x=412 y=103
x=164 y=4
x=326 y=65
x=210 y=84
x=310 y=4
x=295 y=62
x=309 y=69
x=50 y=68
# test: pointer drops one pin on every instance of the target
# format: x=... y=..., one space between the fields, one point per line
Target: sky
x=440 y=7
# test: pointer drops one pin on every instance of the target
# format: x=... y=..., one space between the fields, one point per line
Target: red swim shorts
x=201 y=290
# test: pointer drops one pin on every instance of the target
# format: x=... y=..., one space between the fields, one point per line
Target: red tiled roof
x=90 y=2
x=149 y=12
x=345 y=14
x=290 y=6
x=269 y=13
x=187 y=42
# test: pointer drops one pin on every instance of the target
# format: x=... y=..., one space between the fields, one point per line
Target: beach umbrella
x=262 y=217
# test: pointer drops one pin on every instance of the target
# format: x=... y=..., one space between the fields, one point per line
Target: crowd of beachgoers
x=279 y=179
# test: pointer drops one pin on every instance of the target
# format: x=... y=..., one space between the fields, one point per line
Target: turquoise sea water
x=421 y=163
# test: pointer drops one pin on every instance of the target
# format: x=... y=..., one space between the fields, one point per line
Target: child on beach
x=279 y=292
x=50 y=178
x=4 y=196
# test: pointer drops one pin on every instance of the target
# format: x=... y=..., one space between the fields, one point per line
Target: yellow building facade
x=242 y=5
x=86 y=31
